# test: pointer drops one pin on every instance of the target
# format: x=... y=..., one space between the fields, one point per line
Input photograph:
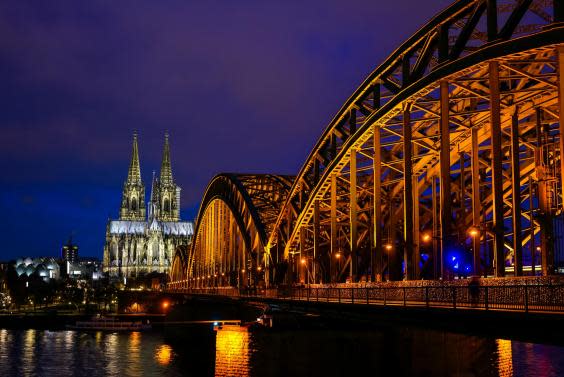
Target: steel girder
x=232 y=227
x=424 y=142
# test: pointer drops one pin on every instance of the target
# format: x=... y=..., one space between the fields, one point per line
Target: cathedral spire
x=166 y=169
x=134 y=174
x=133 y=198
x=154 y=199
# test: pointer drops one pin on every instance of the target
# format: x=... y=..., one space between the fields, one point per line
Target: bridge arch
x=232 y=228
x=446 y=160
x=179 y=268
x=445 y=138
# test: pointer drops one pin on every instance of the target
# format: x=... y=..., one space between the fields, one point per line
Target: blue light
x=453 y=259
x=216 y=323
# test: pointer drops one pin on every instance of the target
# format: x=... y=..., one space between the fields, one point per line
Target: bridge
x=444 y=163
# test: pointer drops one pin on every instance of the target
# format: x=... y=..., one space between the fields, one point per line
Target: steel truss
x=237 y=213
x=451 y=147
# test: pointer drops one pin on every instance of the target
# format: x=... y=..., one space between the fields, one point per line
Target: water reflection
x=133 y=356
x=504 y=358
x=163 y=354
x=392 y=351
x=232 y=352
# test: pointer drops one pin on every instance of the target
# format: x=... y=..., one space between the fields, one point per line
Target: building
x=69 y=252
x=46 y=267
x=145 y=237
x=86 y=268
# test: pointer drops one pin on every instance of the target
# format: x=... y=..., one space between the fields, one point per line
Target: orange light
x=338 y=255
x=243 y=270
x=259 y=268
x=303 y=261
x=165 y=304
x=538 y=248
x=388 y=246
x=426 y=237
x=474 y=232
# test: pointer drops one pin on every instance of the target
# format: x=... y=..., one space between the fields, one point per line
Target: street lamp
x=473 y=232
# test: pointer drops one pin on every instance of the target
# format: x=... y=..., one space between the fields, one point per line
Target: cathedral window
x=134 y=204
x=166 y=205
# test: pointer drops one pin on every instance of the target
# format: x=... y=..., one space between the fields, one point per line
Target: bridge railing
x=524 y=298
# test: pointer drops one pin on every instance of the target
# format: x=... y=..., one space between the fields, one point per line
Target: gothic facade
x=145 y=236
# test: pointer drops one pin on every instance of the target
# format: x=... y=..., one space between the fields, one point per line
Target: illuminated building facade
x=144 y=238
x=69 y=252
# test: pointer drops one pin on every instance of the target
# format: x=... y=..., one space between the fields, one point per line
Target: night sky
x=242 y=86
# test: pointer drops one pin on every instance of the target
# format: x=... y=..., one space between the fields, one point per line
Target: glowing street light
x=473 y=232
x=388 y=246
x=338 y=255
x=426 y=237
x=303 y=261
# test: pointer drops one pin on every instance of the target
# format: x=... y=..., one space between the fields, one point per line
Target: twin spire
x=134 y=173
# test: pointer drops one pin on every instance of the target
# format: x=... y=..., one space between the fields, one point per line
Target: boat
x=109 y=324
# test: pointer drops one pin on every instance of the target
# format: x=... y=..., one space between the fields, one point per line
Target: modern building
x=145 y=237
x=46 y=267
x=69 y=252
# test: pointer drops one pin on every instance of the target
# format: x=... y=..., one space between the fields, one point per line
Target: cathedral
x=145 y=237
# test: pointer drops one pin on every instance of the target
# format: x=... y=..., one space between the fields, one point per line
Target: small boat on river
x=109 y=324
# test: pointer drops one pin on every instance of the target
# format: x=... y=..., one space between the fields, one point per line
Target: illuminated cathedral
x=145 y=237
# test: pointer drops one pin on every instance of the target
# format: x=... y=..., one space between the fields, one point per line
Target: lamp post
x=388 y=247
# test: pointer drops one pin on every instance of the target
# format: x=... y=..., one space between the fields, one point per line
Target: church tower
x=133 y=199
x=168 y=191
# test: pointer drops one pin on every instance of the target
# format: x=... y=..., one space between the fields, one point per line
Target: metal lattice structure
x=237 y=214
x=445 y=159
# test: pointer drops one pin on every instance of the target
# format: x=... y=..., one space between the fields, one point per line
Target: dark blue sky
x=242 y=86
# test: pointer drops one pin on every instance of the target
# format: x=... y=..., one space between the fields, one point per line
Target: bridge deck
x=509 y=298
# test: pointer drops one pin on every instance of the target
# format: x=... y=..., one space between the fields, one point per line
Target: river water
x=389 y=352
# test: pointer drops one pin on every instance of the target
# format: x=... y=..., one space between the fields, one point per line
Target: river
x=394 y=351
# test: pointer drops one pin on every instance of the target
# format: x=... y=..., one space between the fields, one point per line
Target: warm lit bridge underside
x=458 y=130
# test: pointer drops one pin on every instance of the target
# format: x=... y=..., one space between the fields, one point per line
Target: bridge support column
x=333 y=256
x=316 y=240
x=303 y=262
x=377 y=216
x=516 y=194
x=561 y=98
x=444 y=162
x=408 y=195
x=497 y=173
x=353 y=218
x=545 y=211
x=476 y=203
x=416 y=234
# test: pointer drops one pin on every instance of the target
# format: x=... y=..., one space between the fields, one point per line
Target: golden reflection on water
x=28 y=354
x=112 y=355
x=504 y=358
x=133 y=355
x=163 y=354
x=232 y=352
x=3 y=336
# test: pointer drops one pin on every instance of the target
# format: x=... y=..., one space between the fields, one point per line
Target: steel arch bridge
x=445 y=160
